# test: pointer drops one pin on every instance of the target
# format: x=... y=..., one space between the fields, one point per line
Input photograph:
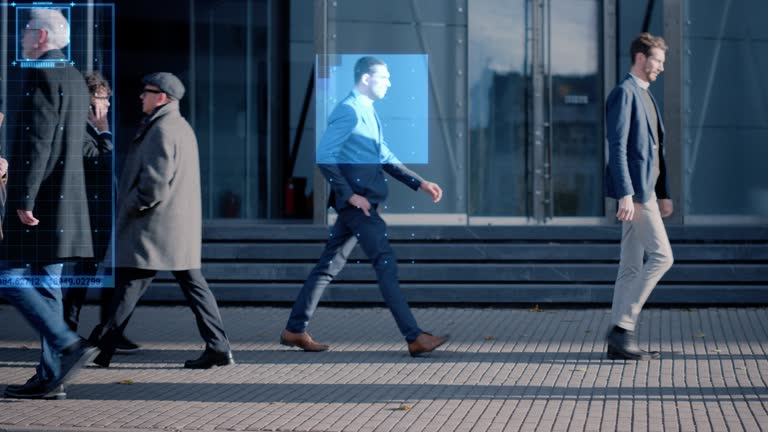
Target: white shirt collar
x=642 y=83
x=365 y=100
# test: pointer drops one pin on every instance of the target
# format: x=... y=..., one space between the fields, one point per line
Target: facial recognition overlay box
x=46 y=49
x=27 y=27
x=403 y=111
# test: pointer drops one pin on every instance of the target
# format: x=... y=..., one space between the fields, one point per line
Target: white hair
x=53 y=22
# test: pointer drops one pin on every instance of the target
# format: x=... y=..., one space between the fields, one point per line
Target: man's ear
x=43 y=37
x=638 y=57
x=365 y=78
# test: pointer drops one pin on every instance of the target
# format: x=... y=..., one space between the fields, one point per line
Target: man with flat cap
x=158 y=225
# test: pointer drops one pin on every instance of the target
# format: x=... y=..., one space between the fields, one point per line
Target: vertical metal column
x=89 y=44
x=673 y=105
x=549 y=194
x=537 y=136
x=277 y=108
x=610 y=76
x=461 y=106
x=251 y=139
x=4 y=41
x=211 y=109
x=320 y=194
x=192 y=95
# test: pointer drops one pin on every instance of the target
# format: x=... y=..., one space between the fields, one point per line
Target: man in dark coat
x=47 y=212
x=158 y=226
x=99 y=184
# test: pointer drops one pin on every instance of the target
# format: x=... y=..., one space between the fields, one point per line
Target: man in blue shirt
x=353 y=156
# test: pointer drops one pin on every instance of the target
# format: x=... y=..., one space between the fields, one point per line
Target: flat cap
x=167 y=82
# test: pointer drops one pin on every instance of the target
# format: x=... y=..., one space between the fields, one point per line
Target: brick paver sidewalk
x=503 y=370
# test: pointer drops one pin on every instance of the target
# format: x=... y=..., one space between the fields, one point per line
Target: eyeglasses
x=147 y=90
x=24 y=31
x=102 y=97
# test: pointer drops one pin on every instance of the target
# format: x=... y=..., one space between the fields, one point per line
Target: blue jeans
x=41 y=306
x=353 y=227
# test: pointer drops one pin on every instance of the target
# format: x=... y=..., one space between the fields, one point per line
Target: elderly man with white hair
x=47 y=222
x=46 y=32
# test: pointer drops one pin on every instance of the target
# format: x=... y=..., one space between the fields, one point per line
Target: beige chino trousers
x=643 y=236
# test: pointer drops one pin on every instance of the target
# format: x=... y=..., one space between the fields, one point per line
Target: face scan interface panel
x=57 y=70
x=385 y=95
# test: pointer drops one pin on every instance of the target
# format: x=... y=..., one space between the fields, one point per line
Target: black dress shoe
x=35 y=389
x=107 y=343
x=102 y=360
x=96 y=335
x=622 y=345
x=614 y=354
x=210 y=359
x=126 y=346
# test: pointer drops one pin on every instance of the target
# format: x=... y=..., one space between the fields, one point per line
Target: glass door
x=228 y=108
x=536 y=112
x=500 y=111
x=423 y=115
x=575 y=156
x=514 y=97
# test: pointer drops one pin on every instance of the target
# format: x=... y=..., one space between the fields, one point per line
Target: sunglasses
x=146 y=90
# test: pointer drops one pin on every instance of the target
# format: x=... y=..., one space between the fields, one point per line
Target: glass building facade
x=724 y=110
x=515 y=97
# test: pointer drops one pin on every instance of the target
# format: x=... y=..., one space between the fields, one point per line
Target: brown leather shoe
x=301 y=340
x=425 y=343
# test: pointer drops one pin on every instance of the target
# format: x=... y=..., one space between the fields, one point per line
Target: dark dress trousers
x=353 y=157
x=99 y=184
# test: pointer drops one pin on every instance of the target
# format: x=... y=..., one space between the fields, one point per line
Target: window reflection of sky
x=497 y=43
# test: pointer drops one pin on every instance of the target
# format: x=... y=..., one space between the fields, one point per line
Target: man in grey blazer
x=158 y=226
x=637 y=177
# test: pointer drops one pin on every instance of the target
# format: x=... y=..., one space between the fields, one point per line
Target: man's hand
x=97 y=114
x=665 y=207
x=3 y=167
x=626 y=208
x=431 y=189
x=27 y=218
x=360 y=202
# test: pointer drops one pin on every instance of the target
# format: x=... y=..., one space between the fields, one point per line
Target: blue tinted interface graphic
x=398 y=124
